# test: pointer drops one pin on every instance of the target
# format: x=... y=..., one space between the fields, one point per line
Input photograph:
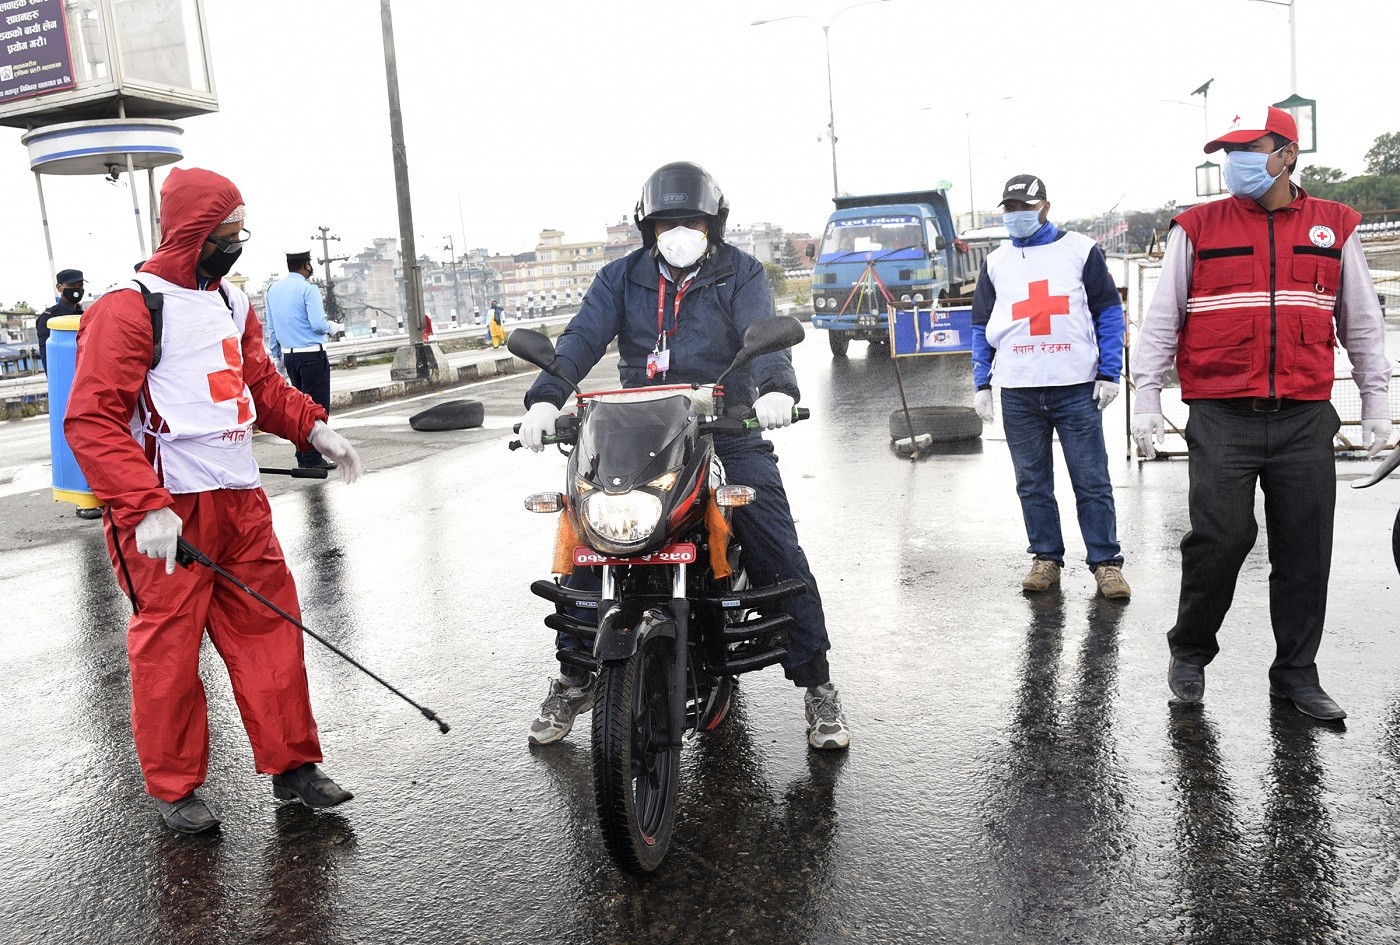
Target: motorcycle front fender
x=626 y=625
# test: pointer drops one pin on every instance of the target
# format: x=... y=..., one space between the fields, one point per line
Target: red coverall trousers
x=263 y=652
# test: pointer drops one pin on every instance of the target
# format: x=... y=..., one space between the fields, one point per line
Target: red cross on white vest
x=1040 y=306
x=228 y=383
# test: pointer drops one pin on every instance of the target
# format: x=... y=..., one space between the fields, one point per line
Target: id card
x=658 y=362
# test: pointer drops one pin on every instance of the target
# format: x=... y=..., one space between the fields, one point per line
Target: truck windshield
x=864 y=237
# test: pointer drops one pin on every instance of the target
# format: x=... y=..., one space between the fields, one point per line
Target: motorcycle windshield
x=628 y=440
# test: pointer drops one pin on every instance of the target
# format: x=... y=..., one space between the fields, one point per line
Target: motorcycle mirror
x=533 y=346
x=1383 y=470
x=766 y=336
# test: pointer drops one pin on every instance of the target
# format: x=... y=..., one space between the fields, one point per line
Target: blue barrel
x=69 y=484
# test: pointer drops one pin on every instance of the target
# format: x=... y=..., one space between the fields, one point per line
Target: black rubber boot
x=310 y=785
x=187 y=815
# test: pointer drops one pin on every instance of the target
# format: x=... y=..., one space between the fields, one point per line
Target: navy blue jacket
x=729 y=292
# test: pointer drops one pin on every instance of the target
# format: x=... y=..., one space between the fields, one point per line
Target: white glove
x=336 y=328
x=338 y=448
x=157 y=536
x=982 y=403
x=538 y=421
x=773 y=410
x=1146 y=427
x=1105 y=392
x=1374 y=435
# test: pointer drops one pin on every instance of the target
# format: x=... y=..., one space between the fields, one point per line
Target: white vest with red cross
x=1041 y=327
x=196 y=414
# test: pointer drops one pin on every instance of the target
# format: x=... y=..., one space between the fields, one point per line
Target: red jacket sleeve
x=282 y=409
x=114 y=354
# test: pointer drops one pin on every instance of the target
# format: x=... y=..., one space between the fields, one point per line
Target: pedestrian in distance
x=298 y=332
x=171 y=377
x=1256 y=290
x=495 y=325
x=678 y=307
x=374 y=328
x=1047 y=328
x=69 y=288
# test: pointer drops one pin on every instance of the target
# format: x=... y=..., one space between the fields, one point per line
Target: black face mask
x=219 y=263
x=72 y=296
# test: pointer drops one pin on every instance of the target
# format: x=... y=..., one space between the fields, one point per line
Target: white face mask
x=682 y=246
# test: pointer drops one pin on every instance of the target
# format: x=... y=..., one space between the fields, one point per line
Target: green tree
x=1321 y=174
x=789 y=258
x=776 y=276
x=24 y=307
x=1383 y=159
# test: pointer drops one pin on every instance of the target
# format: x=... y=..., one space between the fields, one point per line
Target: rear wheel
x=840 y=342
x=636 y=772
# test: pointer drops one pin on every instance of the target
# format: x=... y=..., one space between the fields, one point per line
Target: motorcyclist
x=678 y=308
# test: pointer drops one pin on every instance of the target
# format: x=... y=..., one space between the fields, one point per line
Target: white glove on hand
x=1105 y=392
x=773 y=410
x=336 y=328
x=157 y=536
x=982 y=403
x=332 y=444
x=538 y=421
x=1147 y=427
x=1374 y=435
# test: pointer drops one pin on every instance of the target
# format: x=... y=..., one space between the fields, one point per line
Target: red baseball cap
x=1245 y=128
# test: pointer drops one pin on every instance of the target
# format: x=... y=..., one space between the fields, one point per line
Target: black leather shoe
x=310 y=785
x=1187 y=681
x=1310 y=700
x=187 y=815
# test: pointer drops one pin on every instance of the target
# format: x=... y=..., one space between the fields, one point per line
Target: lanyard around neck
x=661 y=333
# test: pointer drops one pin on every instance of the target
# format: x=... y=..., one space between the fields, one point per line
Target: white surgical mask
x=682 y=246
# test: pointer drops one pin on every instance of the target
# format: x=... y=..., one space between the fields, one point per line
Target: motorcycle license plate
x=678 y=553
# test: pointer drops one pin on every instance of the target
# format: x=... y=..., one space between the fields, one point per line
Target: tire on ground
x=943 y=424
x=452 y=415
x=839 y=341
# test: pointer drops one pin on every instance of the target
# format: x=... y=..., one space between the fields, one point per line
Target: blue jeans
x=1031 y=416
x=771 y=554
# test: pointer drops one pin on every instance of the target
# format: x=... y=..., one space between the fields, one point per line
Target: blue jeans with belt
x=1031 y=417
x=770 y=554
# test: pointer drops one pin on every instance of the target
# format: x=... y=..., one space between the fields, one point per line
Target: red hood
x=193 y=203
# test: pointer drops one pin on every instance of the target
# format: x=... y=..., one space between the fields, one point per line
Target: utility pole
x=451 y=247
x=332 y=307
x=413 y=274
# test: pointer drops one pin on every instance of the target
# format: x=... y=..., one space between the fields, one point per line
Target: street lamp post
x=830 y=101
x=1303 y=110
x=451 y=247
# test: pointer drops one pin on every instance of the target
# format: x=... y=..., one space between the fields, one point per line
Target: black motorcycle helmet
x=679 y=191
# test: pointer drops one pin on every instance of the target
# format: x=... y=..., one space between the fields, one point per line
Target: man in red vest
x=1256 y=292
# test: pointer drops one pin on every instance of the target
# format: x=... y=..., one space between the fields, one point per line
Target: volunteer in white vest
x=1047 y=328
x=162 y=428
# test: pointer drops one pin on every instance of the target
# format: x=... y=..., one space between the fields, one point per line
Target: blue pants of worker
x=1031 y=416
x=770 y=554
x=310 y=373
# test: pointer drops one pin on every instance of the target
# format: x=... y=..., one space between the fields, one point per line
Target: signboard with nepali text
x=930 y=331
x=34 y=54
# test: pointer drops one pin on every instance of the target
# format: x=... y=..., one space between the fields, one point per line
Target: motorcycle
x=673 y=621
x=1383 y=470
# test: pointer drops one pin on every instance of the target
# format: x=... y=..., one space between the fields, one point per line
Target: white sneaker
x=563 y=704
x=826 y=726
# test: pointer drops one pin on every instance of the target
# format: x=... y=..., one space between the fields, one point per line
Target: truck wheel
x=840 y=342
x=943 y=424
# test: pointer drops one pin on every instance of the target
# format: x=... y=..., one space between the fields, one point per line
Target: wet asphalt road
x=1017 y=774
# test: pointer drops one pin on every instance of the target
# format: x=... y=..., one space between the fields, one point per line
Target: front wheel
x=839 y=341
x=636 y=771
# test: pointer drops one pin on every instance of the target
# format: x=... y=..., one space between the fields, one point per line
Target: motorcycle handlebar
x=726 y=426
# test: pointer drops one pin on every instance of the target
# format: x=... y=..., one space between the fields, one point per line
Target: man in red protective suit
x=162 y=428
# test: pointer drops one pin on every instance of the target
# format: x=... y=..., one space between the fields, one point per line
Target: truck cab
x=884 y=251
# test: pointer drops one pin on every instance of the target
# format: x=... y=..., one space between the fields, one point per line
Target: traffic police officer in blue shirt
x=709 y=293
x=297 y=332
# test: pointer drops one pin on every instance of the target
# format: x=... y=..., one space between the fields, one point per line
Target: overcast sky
x=535 y=113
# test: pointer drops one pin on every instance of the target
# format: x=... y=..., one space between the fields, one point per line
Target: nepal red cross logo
x=1040 y=306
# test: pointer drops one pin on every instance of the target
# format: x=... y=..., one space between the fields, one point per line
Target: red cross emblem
x=228 y=383
x=1040 y=306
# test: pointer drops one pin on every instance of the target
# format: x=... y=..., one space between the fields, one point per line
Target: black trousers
x=1289 y=454
x=310 y=373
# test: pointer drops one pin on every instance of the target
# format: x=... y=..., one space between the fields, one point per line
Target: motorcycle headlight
x=666 y=481
x=624 y=520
